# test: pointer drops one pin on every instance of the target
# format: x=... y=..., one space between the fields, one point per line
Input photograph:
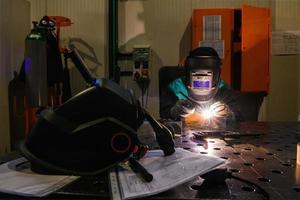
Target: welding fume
x=201 y=94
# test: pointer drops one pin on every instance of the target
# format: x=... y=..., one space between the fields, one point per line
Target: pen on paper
x=140 y=170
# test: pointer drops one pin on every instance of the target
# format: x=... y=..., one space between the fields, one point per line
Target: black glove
x=182 y=108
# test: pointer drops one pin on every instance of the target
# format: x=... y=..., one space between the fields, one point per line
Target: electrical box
x=141 y=59
x=242 y=39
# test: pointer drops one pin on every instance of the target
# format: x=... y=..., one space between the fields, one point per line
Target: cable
x=143 y=84
x=143 y=93
x=221 y=174
x=142 y=97
x=147 y=96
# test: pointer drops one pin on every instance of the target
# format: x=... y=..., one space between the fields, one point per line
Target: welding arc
x=198 y=104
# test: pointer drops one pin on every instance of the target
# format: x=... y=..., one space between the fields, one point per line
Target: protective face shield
x=203 y=71
x=94 y=130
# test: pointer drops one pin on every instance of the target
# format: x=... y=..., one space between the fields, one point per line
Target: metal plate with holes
x=262 y=153
x=265 y=155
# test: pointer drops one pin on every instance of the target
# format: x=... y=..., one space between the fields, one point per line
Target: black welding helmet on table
x=91 y=132
x=203 y=69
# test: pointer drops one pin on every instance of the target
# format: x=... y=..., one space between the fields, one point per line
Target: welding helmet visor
x=203 y=68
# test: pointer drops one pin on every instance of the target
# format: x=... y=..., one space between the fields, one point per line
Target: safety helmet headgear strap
x=203 y=67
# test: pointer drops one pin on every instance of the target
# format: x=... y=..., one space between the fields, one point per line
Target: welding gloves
x=182 y=108
x=220 y=109
x=225 y=117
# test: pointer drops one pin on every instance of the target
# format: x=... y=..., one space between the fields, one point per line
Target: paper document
x=17 y=178
x=167 y=171
x=285 y=42
x=212 y=27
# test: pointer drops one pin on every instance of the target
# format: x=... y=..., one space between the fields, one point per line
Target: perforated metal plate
x=266 y=156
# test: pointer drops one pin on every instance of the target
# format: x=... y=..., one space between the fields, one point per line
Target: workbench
x=264 y=155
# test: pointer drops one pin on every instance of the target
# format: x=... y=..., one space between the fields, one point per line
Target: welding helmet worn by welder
x=203 y=69
x=92 y=131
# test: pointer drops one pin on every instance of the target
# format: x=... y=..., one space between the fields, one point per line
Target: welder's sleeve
x=179 y=89
x=182 y=108
x=173 y=102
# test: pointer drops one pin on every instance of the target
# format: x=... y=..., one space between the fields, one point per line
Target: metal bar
x=113 y=39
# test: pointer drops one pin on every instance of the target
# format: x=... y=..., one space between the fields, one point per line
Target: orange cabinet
x=242 y=39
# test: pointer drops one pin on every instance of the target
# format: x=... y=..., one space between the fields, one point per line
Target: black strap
x=162 y=133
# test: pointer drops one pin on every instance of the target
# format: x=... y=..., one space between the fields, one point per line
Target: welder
x=201 y=92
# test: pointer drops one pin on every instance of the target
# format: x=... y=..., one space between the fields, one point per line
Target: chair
x=167 y=74
x=249 y=104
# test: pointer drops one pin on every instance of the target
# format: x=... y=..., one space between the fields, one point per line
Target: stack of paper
x=17 y=178
x=167 y=171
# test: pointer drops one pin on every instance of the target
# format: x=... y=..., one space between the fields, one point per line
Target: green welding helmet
x=203 y=68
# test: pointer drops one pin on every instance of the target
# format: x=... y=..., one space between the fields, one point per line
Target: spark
x=207 y=113
x=213 y=115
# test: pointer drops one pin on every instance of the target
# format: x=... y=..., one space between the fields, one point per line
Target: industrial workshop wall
x=14 y=26
x=160 y=24
x=166 y=27
x=89 y=24
x=15 y=23
x=283 y=103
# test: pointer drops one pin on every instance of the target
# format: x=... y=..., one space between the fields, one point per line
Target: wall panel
x=5 y=70
x=283 y=101
x=14 y=25
x=229 y=3
x=287 y=14
x=163 y=26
